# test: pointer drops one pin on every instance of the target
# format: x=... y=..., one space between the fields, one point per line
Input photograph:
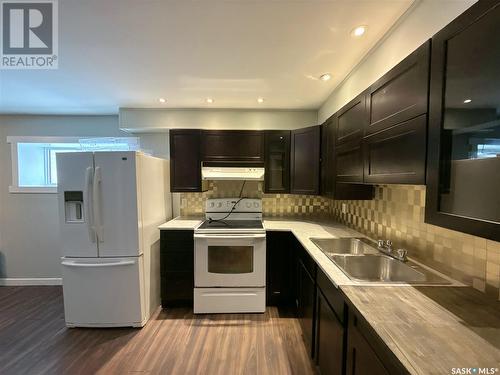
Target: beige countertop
x=433 y=329
x=182 y=222
x=430 y=329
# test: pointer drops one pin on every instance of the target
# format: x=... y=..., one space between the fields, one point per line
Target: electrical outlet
x=344 y=208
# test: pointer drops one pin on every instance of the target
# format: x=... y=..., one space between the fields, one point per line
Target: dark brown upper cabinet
x=350 y=125
x=352 y=119
x=349 y=162
x=463 y=171
x=397 y=155
x=401 y=94
x=277 y=166
x=330 y=185
x=233 y=145
x=304 y=160
x=185 y=160
x=328 y=158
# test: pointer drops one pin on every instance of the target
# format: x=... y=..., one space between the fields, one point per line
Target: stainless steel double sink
x=360 y=260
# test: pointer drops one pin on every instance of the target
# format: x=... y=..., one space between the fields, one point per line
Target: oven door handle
x=231 y=236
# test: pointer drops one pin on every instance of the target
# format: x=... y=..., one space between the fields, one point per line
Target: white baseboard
x=30 y=281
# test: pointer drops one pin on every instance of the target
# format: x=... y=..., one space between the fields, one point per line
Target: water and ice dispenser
x=73 y=206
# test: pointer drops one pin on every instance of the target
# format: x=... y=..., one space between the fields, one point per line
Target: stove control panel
x=226 y=204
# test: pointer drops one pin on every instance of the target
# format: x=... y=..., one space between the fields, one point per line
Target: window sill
x=32 y=190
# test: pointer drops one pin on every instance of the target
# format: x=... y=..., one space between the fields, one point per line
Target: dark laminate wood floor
x=34 y=340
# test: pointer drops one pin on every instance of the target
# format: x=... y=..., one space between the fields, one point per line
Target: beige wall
x=149 y=120
x=418 y=25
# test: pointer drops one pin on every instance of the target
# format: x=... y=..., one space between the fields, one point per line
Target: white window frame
x=14 y=187
x=14 y=140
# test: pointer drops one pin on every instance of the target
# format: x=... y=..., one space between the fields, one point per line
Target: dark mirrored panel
x=470 y=148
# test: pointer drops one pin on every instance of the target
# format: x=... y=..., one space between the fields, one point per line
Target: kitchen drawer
x=103 y=291
x=332 y=295
x=229 y=300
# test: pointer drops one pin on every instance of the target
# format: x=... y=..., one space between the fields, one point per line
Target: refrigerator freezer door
x=115 y=204
x=74 y=174
x=103 y=292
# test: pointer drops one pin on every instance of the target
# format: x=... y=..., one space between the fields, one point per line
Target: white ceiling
x=129 y=53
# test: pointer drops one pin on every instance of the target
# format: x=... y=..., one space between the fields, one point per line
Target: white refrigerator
x=110 y=205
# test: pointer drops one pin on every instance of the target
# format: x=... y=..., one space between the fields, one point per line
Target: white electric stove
x=230 y=258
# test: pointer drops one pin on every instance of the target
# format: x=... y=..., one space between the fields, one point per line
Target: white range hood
x=232 y=173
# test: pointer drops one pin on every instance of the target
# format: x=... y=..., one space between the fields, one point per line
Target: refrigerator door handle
x=87 y=192
x=69 y=263
x=96 y=197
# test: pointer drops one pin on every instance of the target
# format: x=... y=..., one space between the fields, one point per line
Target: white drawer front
x=103 y=292
x=229 y=300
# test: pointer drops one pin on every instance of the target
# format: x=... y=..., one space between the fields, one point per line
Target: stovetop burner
x=231 y=224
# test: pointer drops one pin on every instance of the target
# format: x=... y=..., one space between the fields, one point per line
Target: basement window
x=34 y=168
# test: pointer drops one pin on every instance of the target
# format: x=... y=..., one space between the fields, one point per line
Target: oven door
x=230 y=260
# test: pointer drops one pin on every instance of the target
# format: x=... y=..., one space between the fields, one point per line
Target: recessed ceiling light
x=162 y=100
x=325 y=77
x=358 y=31
x=260 y=100
x=467 y=101
x=210 y=100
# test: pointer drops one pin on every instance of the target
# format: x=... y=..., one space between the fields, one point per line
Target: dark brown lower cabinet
x=306 y=297
x=397 y=155
x=329 y=338
x=280 y=275
x=361 y=358
x=366 y=352
x=177 y=267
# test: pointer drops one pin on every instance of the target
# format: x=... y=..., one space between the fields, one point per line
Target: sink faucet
x=386 y=248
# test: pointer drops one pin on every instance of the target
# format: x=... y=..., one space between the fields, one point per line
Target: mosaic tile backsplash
x=396 y=213
x=272 y=204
